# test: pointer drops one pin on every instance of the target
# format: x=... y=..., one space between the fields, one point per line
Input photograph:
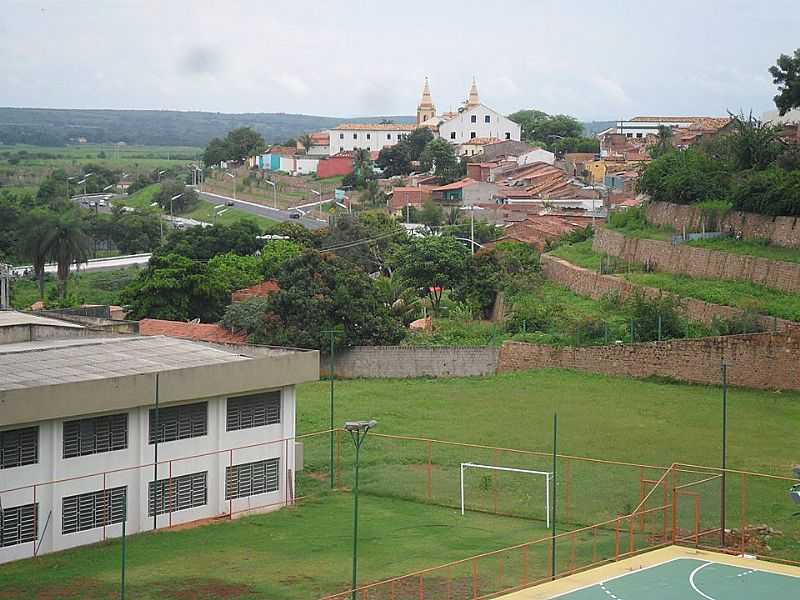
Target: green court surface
x=691 y=579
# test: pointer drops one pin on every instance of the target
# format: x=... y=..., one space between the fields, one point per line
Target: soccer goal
x=548 y=476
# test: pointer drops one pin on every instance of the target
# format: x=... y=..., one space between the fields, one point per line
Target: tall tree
x=216 y=151
x=306 y=141
x=538 y=126
x=67 y=244
x=786 y=75
x=440 y=156
x=36 y=230
x=663 y=142
x=243 y=142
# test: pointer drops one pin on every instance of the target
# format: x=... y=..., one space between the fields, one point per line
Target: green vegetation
x=633 y=223
x=747 y=296
x=95 y=287
x=557 y=133
x=142 y=199
x=307 y=547
x=204 y=210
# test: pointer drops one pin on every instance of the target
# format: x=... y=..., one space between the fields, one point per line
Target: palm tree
x=663 y=142
x=360 y=161
x=36 y=231
x=306 y=141
x=67 y=244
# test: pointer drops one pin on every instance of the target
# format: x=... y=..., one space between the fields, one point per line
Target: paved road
x=96 y=264
x=265 y=211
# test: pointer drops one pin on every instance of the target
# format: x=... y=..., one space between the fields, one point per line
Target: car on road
x=229 y=203
x=294 y=215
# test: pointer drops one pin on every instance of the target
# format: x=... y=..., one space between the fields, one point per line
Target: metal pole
x=332 y=377
x=156 y=433
x=724 y=447
x=124 y=548
x=553 y=519
x=357 y=439
x=472 y=229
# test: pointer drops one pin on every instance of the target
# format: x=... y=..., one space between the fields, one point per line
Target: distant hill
x=591 y=128
x=55 y=127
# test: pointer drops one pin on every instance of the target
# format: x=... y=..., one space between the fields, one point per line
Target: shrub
x=646 y=312
x=685 y=177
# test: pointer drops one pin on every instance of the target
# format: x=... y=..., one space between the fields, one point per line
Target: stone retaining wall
x=409 y=361
x=699 y=262
x=761 y=360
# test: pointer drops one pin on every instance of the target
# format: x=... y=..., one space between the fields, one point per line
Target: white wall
x=537 y=155
x=305 y=166
x=54 y=477
x=460 y=128
x=287 y=164
x=344 y=140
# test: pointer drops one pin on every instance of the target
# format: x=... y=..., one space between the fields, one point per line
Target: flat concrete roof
x=47 y=362
x=10 y=318
x=59 y=378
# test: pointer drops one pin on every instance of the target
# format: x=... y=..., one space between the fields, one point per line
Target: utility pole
x=332 y=377
x=553 y=567
x=724 y=448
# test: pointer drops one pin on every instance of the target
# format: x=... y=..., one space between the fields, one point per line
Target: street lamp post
x=68 y=180
x=332 y=368
x=232 y=176
x=85 y=178
x=160 y=173
x=274 y=193
x=313 y=191
x=175 y=197
x=358 y=432
x=471 y=209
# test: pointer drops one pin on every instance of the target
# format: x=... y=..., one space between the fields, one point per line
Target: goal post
x=548 y=476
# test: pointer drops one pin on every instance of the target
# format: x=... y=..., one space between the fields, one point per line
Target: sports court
x=674 y=574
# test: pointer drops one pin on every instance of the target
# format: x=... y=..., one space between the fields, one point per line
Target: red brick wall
x=588 y=283
x=781 y=231
x=699 y=262
x=761 y=360
x=330 y=167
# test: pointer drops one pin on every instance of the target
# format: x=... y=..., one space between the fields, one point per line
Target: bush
x=746 y=323
x=633 y=218
x=685 y=177
x=645 y=313
x=769 y=192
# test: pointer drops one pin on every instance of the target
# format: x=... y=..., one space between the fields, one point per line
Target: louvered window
x=179 y=422
x=18 y=524
x=19 y=447
x=252 y=478
x=95 y=435
x=93 y=509
x=255 y=410
x=178 y=493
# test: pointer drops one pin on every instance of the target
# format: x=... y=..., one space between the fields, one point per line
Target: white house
x=79 y=431
x=375 y=136
x=479 y=121
x=536 y=155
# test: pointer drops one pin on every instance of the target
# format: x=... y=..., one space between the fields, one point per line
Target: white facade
x=287 y=164
x=221 y=411
x=346 y=138
x=306 y=165
x=479 y=122
x=214 y=452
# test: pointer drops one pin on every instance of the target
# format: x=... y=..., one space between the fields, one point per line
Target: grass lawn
x=740 y=294
x=749 y=248
x=142 y=199
x=647 y=231
x=94 y=287
x=204 y=211
x=303 y=552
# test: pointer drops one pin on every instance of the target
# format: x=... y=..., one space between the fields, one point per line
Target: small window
x=638 y=135
x=255 y=410
x=355 y=136
x=341 y=136
x=92 y=510
x=630 y=135
x=472 y=135
x=178 y=493
x=388 y=136
x=508 y=135
x=19 y=447
x=474 y=118
x=18 y=524
x=487 y=119
x=341 y=148
x=452 y=135
x=253 y=478
x=179 y=422
x=369 y=136
x=95 y=435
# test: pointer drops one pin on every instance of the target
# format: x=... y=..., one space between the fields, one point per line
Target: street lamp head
x=230 y=175
x=361 y=426
x=176 y=196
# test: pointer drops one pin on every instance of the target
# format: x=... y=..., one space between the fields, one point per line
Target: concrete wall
x=781 y=231
x=132 y=468
x=588 y=283
x=761 y=360
x=699 y=262
x=406 y=362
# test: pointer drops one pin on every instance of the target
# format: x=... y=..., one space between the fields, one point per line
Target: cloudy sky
x=595 y=60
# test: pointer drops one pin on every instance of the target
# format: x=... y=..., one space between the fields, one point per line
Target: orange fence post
x=450 y=582
x=666 y=511
x=642 y=494
x=524 y=565
x=430 y=471
x=674 y=507
x=744 y=509
x=421 y=595
x=631 y=535
x=616 y=539
x=697 y=520
x=474 y=578
x=391 y=590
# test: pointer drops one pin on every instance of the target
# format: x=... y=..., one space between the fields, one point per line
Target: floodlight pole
x=553 y=570
x=156 y=433
x=724 y=449
x=332 y=377
x=358 y=436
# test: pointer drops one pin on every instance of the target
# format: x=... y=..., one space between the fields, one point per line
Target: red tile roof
x=456 y=185
x=259 y=290
x=283 y=150
x=200 y=332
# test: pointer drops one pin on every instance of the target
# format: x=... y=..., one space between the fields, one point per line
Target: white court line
x=694 y=587
x=621 y=575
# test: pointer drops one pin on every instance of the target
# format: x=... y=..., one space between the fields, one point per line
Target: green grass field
x=304 y=551
x=749 y=248
x=204 y=211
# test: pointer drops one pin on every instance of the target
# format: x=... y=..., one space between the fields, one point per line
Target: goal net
x=531 y=492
